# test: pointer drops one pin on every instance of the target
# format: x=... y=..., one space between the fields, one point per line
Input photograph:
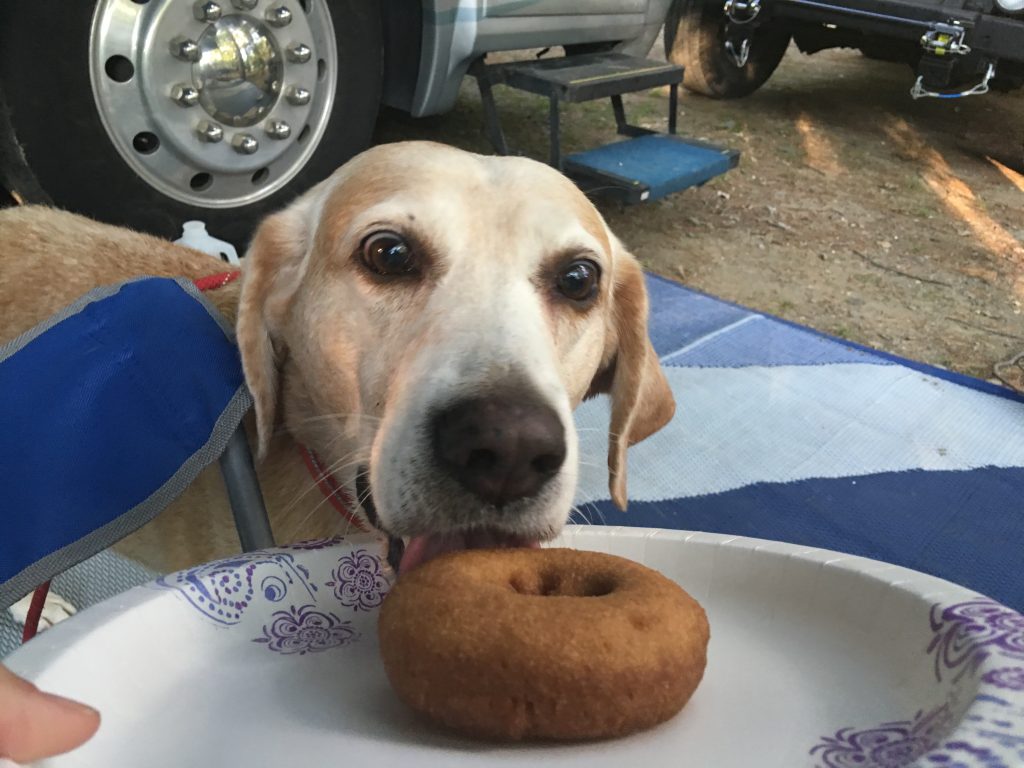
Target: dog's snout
x=500 y=447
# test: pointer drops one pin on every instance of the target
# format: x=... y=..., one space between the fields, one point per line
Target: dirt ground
x=855 y=210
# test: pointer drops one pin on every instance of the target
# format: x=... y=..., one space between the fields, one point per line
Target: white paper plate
x=816 y=659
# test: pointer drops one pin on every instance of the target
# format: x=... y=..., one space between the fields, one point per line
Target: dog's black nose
x=501 y=447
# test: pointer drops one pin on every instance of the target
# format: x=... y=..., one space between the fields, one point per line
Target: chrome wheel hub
x=239 y=71
x=215 y=104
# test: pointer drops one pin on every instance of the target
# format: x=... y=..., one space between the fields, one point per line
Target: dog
x=424 y=321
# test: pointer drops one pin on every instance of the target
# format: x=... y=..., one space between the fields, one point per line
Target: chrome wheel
x=214 y=104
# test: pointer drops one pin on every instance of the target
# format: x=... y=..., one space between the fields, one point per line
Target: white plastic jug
x=194 y=235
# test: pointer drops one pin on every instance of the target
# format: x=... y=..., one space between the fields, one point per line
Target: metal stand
x=557 y=92
x=244 y=493
x=648 y=165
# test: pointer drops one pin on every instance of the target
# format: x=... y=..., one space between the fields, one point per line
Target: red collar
x=213 y=282
x=335 y=493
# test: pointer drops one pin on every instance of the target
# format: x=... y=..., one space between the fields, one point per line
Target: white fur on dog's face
x=356 y=364
x=491 y=315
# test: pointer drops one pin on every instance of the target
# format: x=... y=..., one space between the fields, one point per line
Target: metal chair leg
x=244 y=493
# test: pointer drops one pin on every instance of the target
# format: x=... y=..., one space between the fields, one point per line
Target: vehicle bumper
x=998 y=37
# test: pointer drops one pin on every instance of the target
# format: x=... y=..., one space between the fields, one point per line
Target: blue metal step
x=649 y=167
x=586 y=76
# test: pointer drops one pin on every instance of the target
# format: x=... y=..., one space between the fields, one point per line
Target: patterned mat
x=783 y=433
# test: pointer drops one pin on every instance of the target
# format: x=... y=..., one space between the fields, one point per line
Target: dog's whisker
x=583 y=503
x=339 y=415
x=335 y=467
x=576 y=510
x=312 y=487
x=336 y=416
x=310 y=514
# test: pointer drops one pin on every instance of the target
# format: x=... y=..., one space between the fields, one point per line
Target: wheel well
x=15 y=175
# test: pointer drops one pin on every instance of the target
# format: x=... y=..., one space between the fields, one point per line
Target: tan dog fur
x=331 y=356
x=48 y=258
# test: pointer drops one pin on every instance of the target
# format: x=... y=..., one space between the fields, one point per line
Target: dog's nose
x=500 y=447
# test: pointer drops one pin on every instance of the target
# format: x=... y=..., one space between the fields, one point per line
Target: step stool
x=648 y=165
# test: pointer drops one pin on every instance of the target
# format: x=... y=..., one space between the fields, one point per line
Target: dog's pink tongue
x=420 y=549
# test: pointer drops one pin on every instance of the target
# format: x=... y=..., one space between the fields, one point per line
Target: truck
x=954 y=48
x=149 y=113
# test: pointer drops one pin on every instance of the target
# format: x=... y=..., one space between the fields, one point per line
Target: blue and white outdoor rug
x=782 y=433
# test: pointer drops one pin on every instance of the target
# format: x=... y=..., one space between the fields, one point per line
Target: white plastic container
x=194 y=235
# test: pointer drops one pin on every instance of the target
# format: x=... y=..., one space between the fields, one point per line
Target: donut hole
x=550 y=582
x=598 y=585
x=542 y=584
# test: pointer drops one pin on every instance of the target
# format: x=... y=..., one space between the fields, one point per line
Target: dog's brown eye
x=578 y=281
x=388 y=254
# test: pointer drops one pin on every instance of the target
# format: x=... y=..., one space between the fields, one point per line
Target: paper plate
x=816 y=659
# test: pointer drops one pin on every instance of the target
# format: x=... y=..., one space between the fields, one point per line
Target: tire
x=58 y=121
x=694 y=38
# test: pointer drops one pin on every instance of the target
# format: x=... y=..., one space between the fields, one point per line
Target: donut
x=545 y=644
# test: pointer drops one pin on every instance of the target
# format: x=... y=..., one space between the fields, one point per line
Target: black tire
x=694 y=37
x=56 y=122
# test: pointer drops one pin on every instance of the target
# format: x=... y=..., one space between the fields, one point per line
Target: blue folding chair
x=108 y=411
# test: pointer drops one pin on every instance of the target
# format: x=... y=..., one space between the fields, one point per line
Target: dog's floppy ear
x=642 y=401
x=273 y=269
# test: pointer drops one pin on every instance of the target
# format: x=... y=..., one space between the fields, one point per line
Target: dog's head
x=435 y=316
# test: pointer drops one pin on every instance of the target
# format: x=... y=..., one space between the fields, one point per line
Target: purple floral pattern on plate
x=358 y=581
x=888 y=745
x=969 y=638
x=1011 y=678
x=965 y=634
x=306 y=630
x=225 y=589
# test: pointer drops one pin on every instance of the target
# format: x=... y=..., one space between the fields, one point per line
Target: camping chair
x=108 y=411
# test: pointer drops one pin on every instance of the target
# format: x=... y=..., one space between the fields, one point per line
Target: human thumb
x=34 y=725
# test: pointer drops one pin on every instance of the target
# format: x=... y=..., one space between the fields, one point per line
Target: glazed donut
x=516 y=644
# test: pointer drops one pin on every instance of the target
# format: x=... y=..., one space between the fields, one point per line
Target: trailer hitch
x=944 y=39
x=919 y=90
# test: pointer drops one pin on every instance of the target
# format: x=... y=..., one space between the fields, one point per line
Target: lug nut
x=278 y=129
x=244 y=5
x=184 y=49
x=297 y=96
x=279 y=16
x=185 y=95
x=206 y=11
x=245 y=143
x=209 y=132
x=298 y=53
